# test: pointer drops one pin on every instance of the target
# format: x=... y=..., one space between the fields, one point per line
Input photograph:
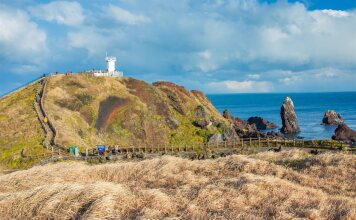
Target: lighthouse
x=110 y=63
x=111 y=69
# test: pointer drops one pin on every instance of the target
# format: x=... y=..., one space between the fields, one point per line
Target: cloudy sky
x=218 y=46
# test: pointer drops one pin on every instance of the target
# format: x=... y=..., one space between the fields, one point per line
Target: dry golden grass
x=19 y=128
x=282 y=185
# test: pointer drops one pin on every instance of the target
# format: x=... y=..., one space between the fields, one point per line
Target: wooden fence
x=229 y=147
x=257 y=144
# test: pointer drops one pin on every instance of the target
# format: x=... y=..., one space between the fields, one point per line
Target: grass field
x=19 y=129
x=284 y=185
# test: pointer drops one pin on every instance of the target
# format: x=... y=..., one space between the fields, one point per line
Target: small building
x=111 y=70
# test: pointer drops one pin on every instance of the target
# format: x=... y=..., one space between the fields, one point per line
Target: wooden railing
x=228 y=147
x=50 y=130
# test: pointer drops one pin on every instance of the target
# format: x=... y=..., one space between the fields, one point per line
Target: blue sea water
x=309 y=107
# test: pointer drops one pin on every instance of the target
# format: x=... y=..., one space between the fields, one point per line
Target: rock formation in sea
x=344 y=133
x=261 y=123
x=241 y=127
x=289 y=118
x=332 y=118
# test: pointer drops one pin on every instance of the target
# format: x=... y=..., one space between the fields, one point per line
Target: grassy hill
x=19 y=128
x=87 y=111
x=125 y=111
x=284 y=185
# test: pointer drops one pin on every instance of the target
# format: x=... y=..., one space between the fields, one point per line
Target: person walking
x=116 y=149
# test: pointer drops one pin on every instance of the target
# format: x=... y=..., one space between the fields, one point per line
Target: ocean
x=309 y=107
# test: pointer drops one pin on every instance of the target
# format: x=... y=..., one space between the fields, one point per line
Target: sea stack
x=289 y=118
x=332 y=118
x=344 y=133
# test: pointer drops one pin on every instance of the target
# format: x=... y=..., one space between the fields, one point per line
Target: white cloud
x=235 y=44
x=290 y=80
x=62 y=12
x=254 y=76
x=126 y=17
x=22 y=42
x=231 y=86
x=336 y=13
x=90 y=39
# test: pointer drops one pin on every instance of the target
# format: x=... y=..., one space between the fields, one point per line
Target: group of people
x=111 y=149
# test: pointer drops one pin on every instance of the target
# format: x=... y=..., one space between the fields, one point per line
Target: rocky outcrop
x=332 y=118
x=289 y=118
x=229 y=135
x=227 y=115
x=261 y=124
x=344 y=133
x=216 y=139
x=201 y=118
x=244 y=129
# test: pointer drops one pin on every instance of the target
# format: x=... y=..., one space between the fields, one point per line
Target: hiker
x=76 y=152
x=116 y=149
x=101 y=149
x=110 y=149
x=38 y=98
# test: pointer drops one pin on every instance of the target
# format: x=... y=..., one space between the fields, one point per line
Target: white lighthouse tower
x=111 y=70
x=110 y=61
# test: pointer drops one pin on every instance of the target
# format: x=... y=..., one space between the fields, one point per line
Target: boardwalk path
x=48 y=127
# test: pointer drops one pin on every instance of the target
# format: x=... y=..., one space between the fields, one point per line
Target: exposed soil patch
x=107 y=110
x=172 y=86
x=149 y=95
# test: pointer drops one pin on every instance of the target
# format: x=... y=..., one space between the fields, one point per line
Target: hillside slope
x=285 y=185
x=87 y=111
x=19 y=128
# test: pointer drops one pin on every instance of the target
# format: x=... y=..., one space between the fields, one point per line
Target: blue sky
x=216 y=46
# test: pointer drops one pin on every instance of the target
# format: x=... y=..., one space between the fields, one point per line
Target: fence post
x=267 y=141
x=52 y=151
x=285 y=142
x=165 y=149
x=59 y=151
x=250 y=142
x=224 y=144
x=242 y=142
x=145 y=148
x=259 y=141
x=293 y=142
x=86 y=152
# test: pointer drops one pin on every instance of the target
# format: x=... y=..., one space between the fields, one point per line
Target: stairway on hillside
x=50 y=132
